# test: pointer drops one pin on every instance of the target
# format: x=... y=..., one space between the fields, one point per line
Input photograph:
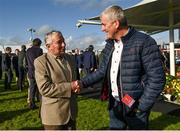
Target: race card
x=128 y=100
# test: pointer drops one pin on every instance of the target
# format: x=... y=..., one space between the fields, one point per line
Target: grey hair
x=115 y=12
x=49 y=35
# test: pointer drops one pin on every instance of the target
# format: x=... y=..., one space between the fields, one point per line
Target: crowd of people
x=131 y=69
x=22 y=63
x=86 y=61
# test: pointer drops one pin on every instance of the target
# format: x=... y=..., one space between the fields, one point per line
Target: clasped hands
x=75 y=86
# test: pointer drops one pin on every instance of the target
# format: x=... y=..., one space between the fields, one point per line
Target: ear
x=118 y=24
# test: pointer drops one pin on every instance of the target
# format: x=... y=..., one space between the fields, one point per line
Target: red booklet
x=128 y=100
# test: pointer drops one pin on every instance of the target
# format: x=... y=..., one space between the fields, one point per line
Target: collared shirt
x=64 y=64
x=115 y=61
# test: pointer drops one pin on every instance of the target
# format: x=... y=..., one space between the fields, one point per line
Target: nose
x=63 y=44
x=102 y=28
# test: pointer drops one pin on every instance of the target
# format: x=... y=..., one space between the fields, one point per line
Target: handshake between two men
x=75 y=86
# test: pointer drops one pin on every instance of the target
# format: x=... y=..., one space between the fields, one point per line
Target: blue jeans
x=121 y=121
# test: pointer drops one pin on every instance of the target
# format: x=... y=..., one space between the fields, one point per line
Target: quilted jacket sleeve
x=155 y=74
x=100 y=73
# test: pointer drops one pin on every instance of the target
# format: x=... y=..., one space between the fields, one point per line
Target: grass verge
x=92 y=114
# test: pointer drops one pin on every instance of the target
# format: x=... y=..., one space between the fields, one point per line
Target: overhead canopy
x=154 y=17
x=151 y=16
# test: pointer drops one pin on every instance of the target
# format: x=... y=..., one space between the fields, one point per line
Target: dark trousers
x=21 y=77
x=120 y=121
x=33 y=91
x=71 y=125
x=1 y=72
x=8 y=79
x=88 y=71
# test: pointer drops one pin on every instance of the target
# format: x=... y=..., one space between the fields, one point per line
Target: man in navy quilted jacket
x=132 y=71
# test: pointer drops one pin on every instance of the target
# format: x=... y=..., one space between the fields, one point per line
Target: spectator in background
x=73 y=52
x=22 y=65
x=79 y=60
x=89 y=60
x=81 y=64
x=31 y=54
x=7 y=68
x=15 y=64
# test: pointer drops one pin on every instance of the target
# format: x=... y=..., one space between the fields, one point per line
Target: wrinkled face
x=57 y=46
x=109 y=27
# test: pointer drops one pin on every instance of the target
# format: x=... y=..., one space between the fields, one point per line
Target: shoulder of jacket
x=41 y=58
x=68 y=56
x=143 y=36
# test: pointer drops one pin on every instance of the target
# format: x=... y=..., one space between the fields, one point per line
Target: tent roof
x=154 y=16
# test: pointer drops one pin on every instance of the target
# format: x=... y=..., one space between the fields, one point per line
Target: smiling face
x=114 y=22
x=55 y=44
x=110 y=27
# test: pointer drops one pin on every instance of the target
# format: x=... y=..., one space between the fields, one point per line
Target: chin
x=108 y=37
x=62 y=52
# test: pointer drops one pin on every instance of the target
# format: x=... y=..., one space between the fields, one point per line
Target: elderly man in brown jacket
x=55 y=74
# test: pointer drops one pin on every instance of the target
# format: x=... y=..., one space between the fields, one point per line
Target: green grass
x=92 y=114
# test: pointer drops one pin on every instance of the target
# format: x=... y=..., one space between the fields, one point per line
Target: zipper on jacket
x=121 y=85
x=108 y=63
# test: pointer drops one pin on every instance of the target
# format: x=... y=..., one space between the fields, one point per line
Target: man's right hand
x=75 y=86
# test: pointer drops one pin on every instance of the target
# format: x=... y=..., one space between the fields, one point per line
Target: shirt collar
x=61 y=57
x=130 y=32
